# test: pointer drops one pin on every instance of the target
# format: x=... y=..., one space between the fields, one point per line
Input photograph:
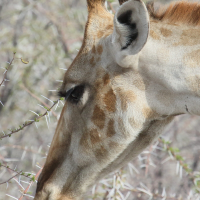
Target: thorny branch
x=173 y=153
x=26 y=190
x=28 y=175
x=18 y=173
x=30 y=122
x=7 y=69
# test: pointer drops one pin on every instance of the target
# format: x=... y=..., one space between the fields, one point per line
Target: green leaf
x=36 y=120
x=174 y=149
x=179 y=157
x=33 y=178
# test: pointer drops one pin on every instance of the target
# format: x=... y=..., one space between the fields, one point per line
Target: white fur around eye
x=85 y=97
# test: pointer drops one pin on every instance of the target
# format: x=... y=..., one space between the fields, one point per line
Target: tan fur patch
x=106 y=79
x=109 y=27
x=192 y=59
x=154 y=35
x=100 y=49
x=125 y=97
x=100 y=34
x=165 y=32
x=189 y=37
x=110 y=101
x=98 y=117
x=111 y=129
x=138 y=82
x=148 y=113
x=94 y=136
x=133 y=123
x=194 y=83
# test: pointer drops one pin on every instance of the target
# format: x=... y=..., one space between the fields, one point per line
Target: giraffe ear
x=131 y=28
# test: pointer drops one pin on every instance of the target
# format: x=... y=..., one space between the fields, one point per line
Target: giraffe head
x=102 y=114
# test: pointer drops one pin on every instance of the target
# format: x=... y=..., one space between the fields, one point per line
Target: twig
x=7 y=69
x=26 y=190
x=18 y=173
x=28 y=175
x=29 y=123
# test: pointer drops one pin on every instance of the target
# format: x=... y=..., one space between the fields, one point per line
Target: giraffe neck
x=171 y=62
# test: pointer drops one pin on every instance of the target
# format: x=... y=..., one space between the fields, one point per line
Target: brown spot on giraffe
x=109 y=27
x=154 y=35
x=98 y=117
x=101 y=153
x=192 y=59
x=92 y=61
x=100 y=34
x=106 y=79
x=100 y=49
x=148 y=112
x=189 y=37
x=133 y=123
x=94 y=136
x=165 y=32
x=138 y=82
x=110 y=101
x=94 y=49
x=111 y=129
x=125 y=97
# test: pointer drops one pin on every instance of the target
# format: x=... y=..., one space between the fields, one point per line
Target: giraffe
x=136 y=70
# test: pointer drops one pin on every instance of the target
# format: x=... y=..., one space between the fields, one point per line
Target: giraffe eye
x=74 y=94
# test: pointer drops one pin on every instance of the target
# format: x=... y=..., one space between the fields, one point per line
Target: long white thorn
x=34 y=112
x=47 y=121
x=1 y=103
x=47 y=98
x=11 y=196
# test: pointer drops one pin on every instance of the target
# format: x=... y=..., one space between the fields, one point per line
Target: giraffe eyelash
x=61 y=93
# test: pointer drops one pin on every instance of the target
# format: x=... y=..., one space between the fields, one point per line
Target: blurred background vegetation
x=48 y=34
